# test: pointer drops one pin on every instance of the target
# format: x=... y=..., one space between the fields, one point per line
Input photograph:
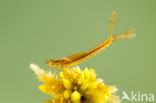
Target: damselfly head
x=52 y=63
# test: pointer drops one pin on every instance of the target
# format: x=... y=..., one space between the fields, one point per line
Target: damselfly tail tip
x=125 y=36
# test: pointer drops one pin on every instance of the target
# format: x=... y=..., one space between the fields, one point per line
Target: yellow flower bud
x=106 y=97
x=67 y=84
x=77 y=69
x=44 y=88
x=75 y=97
x=61 y=75
x=92 y=85
x=92 y=74
x=84 y=86
x=86 y=74
x=67 y=94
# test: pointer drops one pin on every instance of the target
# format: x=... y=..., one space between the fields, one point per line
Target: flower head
x=75 y=86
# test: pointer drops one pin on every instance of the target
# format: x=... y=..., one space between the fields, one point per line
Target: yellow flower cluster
x=75 y=86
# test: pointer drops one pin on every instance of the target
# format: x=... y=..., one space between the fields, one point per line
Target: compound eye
x=50 y=64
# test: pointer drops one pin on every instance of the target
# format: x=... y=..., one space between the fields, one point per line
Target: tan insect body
x=83 y=56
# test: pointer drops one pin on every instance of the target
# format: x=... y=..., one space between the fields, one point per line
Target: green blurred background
x=34 y=31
